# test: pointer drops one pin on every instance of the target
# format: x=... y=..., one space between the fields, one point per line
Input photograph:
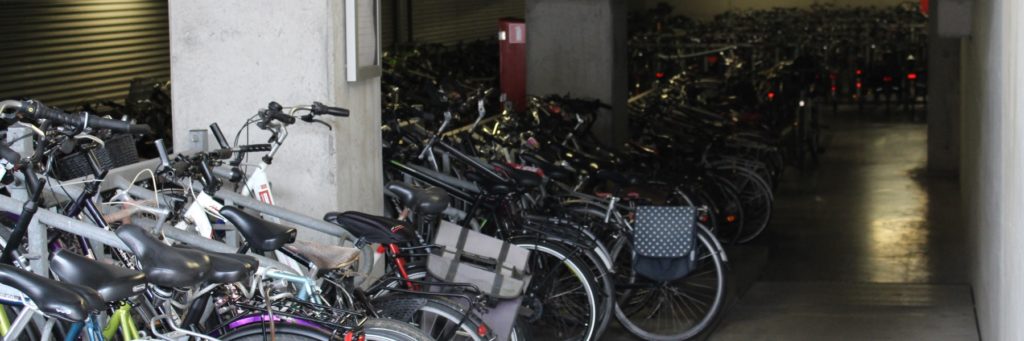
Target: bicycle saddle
x=65 y=301
x=431 y=200
x=551 y=170
x=113 y=283
x=325 y=257
x=227 y=267
x=163 y=264
x=261 y=235
x=524 y=180
x=371 y=228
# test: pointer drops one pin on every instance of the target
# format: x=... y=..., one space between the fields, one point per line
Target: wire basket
x=118 y=150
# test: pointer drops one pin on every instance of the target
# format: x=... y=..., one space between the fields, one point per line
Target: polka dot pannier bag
x=663 y=241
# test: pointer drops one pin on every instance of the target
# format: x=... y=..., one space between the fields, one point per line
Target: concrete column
x=229 y=58
x=943 y=99
x=578 y=47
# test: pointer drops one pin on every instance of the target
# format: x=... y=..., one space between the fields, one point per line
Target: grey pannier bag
x=664 y=240
x=495 y=267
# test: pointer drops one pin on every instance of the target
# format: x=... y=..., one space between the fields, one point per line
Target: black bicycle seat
x=431 y=200
x=65 y=301
x=163 y=264
x=227 y=267
x=551 y=170
x=112 y=282
x=371 y=228
x=261 y=235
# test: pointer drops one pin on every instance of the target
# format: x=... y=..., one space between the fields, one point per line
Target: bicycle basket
x=117 y=151
x=663 y=242
x=495 y=267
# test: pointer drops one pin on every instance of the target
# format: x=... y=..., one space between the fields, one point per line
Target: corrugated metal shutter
x=449 y=21
x=67 y=52
x=388 y=9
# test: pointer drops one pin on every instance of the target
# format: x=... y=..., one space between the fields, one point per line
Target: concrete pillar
x=578 y=47
x=229 y=58
x=943 y=99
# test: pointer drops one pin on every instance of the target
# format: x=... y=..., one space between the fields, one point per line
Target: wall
x=943 y=100
x=68 y=52
x=587 y=61
x=992 y=163
x=703 y=9
x=226 y=67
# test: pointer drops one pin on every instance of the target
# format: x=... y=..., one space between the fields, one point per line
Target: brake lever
x=309 y=118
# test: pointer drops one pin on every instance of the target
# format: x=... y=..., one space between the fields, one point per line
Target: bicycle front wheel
x=374 y=329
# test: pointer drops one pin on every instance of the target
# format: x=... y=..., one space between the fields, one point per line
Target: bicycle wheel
x=438 y=317
x=592 y=250
x=375 y=329
x=676 y=310
x=391 y=330
x=561 y=301
x=756 y=197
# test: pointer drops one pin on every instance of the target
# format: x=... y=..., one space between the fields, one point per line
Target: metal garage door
x=67 y=52
x=447 y=21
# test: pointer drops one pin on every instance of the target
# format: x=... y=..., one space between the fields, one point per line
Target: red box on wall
x=512 y=58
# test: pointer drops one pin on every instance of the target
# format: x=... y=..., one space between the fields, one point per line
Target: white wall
x=705 y=9
x=229 y=58
x=992 y=165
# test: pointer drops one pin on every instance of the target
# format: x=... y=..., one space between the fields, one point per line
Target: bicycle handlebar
x=37 y=111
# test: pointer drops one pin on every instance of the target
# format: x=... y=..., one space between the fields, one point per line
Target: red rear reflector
x=730 y=218
x=859 y=72
x=834 y=88
x=887 y=79
x=481 y=330
x=911 y=76
x=712 y=59
x=771 y=95
x=659 y=75
x=858 y=85
x=380 y=249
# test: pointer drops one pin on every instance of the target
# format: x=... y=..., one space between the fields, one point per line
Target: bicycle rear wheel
x=675 y=310
x=561 y=301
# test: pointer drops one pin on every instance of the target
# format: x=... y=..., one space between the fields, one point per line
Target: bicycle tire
x=711 y=314
x=578 y=270
x=375 y=330
x=398 y=305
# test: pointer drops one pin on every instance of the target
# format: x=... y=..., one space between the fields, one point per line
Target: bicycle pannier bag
x=495 y=267
x=664 y=239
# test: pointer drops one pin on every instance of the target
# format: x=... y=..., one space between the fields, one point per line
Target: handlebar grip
x=221 y=154
x=9 y=154
x=219 y=136
x=212 y=183
x=321 y=109
x=165 y=161
x=263 y=147
x=284 y=118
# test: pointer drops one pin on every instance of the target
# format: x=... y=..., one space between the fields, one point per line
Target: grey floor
x=865 y=247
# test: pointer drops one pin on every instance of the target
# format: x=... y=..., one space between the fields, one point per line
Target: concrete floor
x=866 y=247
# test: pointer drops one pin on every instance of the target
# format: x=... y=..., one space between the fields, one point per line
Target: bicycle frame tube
x=121 y=318
x=259 y=184
x=5 y=323
x=308 y=290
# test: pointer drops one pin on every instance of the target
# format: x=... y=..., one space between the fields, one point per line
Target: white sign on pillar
x=362 y=40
